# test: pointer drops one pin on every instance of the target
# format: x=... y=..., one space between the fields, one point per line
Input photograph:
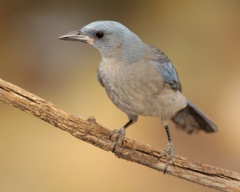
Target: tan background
x=202 y=38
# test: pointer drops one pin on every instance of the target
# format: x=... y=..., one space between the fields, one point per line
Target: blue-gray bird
x=140 y=80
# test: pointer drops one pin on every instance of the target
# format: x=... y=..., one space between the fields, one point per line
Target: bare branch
x=92 y=132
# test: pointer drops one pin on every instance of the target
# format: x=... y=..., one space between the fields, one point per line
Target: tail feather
x=191 y=119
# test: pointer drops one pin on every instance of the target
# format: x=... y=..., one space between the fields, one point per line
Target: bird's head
x=111 y=38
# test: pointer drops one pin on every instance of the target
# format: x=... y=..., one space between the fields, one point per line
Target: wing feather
x=165 y=67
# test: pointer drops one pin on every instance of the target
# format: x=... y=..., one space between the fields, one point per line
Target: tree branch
x=92 y=132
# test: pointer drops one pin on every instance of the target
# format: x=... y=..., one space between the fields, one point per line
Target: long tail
x=191 y=119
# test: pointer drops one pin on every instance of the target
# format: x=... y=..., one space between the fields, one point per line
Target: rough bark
x=92 y=132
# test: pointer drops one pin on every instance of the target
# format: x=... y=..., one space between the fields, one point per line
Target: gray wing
x=165 y=67
x=169 y=74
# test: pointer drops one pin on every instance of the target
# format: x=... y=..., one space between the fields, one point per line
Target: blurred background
x=202 y=38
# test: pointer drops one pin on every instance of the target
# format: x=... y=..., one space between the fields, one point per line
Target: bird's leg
x=120 y=132
x=169 y=150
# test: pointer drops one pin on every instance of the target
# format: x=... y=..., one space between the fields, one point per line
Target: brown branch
x=92 y=132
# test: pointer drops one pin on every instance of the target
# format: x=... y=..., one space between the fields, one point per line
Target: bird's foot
x=169 y=151
x=118 y=133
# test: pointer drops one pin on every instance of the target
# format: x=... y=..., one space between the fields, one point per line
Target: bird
x=141 y=81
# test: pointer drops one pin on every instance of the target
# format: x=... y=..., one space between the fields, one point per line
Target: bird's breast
x=134 y=88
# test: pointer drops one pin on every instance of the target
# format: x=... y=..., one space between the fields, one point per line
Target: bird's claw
x=169 y=151
x=118 y=132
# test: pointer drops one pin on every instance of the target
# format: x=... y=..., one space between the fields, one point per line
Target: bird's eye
x=99 y=35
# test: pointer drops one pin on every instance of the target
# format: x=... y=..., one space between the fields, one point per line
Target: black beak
x=76 y=36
